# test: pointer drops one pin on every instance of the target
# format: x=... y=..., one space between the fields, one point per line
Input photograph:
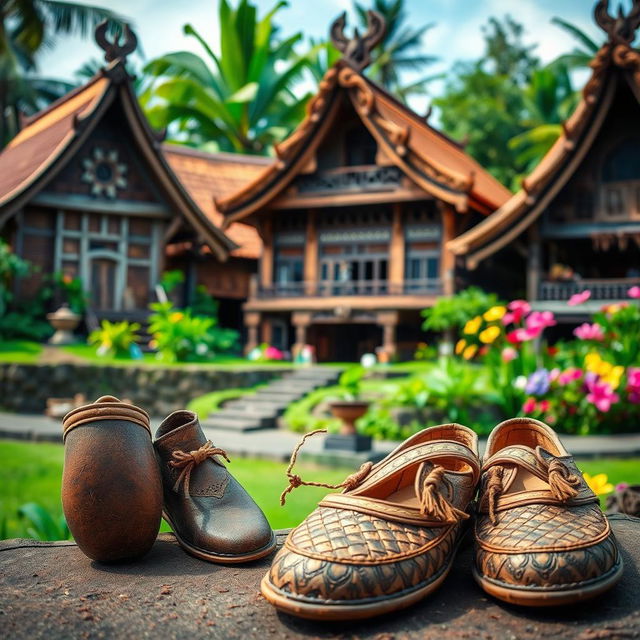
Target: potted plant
x=349 y=407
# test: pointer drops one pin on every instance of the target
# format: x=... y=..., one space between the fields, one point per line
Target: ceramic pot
x=111 y=486
x=348 y=412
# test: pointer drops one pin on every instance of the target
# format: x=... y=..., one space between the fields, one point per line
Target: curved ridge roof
x=434 y=162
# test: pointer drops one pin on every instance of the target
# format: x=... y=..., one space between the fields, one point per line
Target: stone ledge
x=24 y=388
x=51 y=590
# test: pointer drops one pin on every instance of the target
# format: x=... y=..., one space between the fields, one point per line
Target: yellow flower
x=599 y=483
x=473 y=325
x=495 y=313
x=460 y=345
x=176 y=316
x=613 y=376
x=153 y=344
x=470 y=351
x=489 y=334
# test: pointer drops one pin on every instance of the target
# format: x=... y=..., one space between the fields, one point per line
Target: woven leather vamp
x=543 y=527
x=559 y=570
x=311 y=578
x=349 y=537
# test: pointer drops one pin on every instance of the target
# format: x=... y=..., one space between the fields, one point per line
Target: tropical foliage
x=27 y=27
x=115 y=338
x=241 y=100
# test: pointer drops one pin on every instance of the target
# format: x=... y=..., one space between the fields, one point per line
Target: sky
x=456 y=35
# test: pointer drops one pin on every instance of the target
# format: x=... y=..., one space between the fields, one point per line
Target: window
x=360 y=147
x=623 y=163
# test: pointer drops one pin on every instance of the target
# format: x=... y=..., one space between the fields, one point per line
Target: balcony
x=428 y=287
x=601 y=289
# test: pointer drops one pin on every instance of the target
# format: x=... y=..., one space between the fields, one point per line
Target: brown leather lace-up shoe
x=212 y=516
x=387 y=540
x=541 y=538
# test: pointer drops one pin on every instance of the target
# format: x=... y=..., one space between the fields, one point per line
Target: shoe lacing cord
x=187 y=461
x=295 y=481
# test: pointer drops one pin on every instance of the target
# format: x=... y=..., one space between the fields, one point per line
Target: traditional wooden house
x=575 y=223
x=354 y=215
x=87 y=188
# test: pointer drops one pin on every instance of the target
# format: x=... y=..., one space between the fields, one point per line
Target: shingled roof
x=615 y=62
x=434 y=162
x=52 y=137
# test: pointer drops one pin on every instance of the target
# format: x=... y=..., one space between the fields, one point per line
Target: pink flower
x=579 y=298
x=518 y=309
x=554 y=374
x=508 y=354
x=521 y=335
x=588 y=331
x=538 y=321
x=634 y=292
x=271 y=353
x=569 y=375
x=621 y=486
x=529 y=405
x=633 y=384
x=600 y=394
x=544 y=405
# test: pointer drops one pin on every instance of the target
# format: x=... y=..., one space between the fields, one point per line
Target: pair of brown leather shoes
x=117 y=484
x=389 y=539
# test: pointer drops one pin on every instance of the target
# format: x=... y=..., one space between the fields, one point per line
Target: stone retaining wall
x=24 y=388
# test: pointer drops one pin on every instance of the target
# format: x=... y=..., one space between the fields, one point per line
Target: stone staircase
x=262 y=409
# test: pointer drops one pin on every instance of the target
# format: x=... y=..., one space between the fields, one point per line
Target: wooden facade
x=355 y=215
x=575 y=224
x=87 y=190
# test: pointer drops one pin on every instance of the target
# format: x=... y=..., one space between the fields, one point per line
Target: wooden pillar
x=266 y=259
x=301 y=320
x=266 y=330
x=396 y=251
x=252 y=323
x=389 y=322
x=447 y=258
x=311 y=254
x=534 y=262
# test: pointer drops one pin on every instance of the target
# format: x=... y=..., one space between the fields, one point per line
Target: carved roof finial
x=622 y=28
x=115 y=49
x=357 y=50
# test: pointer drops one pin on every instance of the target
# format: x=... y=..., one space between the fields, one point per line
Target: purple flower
x=538 y=383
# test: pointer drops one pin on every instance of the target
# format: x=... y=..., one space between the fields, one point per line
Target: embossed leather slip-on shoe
x=212 y=516
x=388 y=539
x=541 y=538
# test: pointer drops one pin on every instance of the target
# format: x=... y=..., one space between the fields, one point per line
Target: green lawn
x=31 y=472
x=21 y=351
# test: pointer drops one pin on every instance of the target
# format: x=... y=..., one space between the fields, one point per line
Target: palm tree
x=26 y=28
x=580 y=57
x=548 y=101
x=399 y=49
x=242 y=100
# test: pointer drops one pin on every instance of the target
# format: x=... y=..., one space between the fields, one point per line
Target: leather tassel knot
x=433 y=503
x=295 y=481
x=494 y=489
x=563 y=483
x=188 y=461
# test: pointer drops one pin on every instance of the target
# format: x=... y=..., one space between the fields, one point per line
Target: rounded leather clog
x=541 y=538
x=385 y=542
x=111 y=488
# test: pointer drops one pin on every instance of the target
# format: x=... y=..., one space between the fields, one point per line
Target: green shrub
x=114 y=338
x=41 y=525
x=451 y=312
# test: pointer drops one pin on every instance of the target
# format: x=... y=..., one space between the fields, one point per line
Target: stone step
x=237 y=415
x=277 y=407
x=293 y=385
x=277 y=396
x=217 y=422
